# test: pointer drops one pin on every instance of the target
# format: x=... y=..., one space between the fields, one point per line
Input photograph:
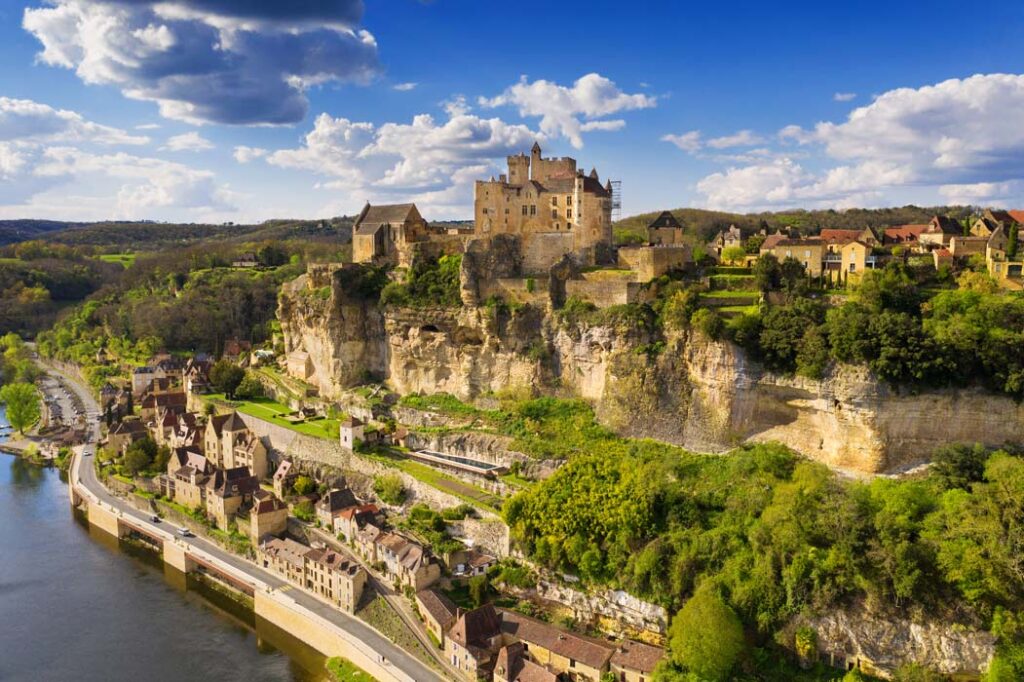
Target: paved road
x=86 y=471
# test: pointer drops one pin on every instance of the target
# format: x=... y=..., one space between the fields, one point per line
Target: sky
x=232 y=110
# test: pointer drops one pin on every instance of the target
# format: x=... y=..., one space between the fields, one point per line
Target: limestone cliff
x=683 y=389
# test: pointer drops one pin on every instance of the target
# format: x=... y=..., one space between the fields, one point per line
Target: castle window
x=554 y=213
x=524 y=209
x=533 y=209
x=568 y=200
x=568 y=214
x=554 y=201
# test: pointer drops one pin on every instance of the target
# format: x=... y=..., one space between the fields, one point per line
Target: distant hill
x=151 y=236
x=705 y=224
x=12 y=231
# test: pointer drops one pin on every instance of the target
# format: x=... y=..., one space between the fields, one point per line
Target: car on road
x=185 y=533
x=154 y=518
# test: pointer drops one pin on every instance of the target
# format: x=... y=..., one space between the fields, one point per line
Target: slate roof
x=474 y=628
x=440 y=607
x=373 y=217
x=637 y=656
x=570 y=645
x=665 y=219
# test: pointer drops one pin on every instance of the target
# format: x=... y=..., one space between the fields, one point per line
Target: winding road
x=85 y=474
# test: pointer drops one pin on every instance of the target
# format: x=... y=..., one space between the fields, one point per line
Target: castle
x=552 y=207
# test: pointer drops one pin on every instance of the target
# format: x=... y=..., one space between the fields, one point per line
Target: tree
x=706 y=636
x=140 y=455
x=22 y=401
x=304 y=511
x=734 y=254
x=303 y=485
x=767 y=273
x=226 y=377
x=250 y=387
x=479 y=586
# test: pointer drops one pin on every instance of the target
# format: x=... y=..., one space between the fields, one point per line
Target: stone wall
x=605 y=291
x=649 y=262
x=541 y=250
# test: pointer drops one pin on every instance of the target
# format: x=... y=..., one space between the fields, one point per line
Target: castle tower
x=535 y=159
x=518 y=169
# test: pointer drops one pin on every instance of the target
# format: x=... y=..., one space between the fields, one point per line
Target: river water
x=77 y=605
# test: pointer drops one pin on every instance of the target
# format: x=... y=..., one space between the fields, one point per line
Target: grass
x=516 y=480
x=739 y=309
x=434 y=478
x=730 y=294
x=381 y=616
x=343 y=670
x=125 y=259
x=271 y=411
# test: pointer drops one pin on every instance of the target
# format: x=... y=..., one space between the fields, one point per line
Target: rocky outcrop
x=881 y=643
x=683 y=389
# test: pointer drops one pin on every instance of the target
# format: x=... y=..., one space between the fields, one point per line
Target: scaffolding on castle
x=616 y=200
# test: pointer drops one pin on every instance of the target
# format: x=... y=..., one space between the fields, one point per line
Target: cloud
x=245 y=154
x=222 y=61
x=742 y=138
x=433 y=163
x=147 y=126
x=689 y=142
x=565 y=111
x=26 y=121
x=188 y=142
x=960 y=138
x=404 y=87
x=844 y=96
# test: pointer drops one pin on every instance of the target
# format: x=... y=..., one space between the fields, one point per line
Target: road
x=86 y=472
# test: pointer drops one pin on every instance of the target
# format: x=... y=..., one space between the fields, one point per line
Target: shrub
x=304 y=511
x=708 y=322
x=389 y=488
x=706 y=636
x=303 y=485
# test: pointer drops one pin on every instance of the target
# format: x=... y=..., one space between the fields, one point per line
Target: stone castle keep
x=551 y=208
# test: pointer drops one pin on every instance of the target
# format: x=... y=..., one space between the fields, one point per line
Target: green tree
x=733 y=254
x=226 y=377
x=479 y=588
x=304 y=511
x=303 y=485
x=767 y=273
x=706 y=636
x=22 y=405
x=250 y=387
x=140 y=456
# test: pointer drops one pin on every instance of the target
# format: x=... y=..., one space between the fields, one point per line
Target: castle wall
x=605 y=292
x=544 y=249
x=653 y=261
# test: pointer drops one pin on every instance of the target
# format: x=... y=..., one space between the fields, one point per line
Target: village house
x=226 y=491
x=512 y=664
x=299 y=365
x=247 y=450
x=1006 y=269
x=267 y=516
x=965 y=247
x=471 y=562
x=904 y=235
x=582 y=658
x=666 y=250
x=229 y=443
x=724 y=240
x=236 y=350
x=323 y=572
x=141 y=378
x=437 y=611
x=380 y=233
x=366 y=542
x=349 y=521
x=835 y=239
x=331 y=504
x=283 y=478
x=406 y=563
x=187 y=483
x=810 y=252
x=939 y=231
x=175 y=402
x=553 y=208
x=351 y=431
x=245 y=260
x=334 y=577
x=125 y=433
x=665 y=230
x=472 y=640
x=635 y=662
x=991 y=219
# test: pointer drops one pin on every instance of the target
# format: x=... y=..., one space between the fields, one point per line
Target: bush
x=304 y=511
x=250 y=387
x=389 y=488
x=303 y=485
x=709 y=323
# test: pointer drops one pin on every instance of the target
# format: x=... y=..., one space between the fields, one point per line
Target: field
x=125 y=259
x=343 y=670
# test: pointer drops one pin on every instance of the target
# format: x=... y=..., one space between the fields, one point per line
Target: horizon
x=201 y=112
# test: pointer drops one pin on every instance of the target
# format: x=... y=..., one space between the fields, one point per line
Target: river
x=77 y=605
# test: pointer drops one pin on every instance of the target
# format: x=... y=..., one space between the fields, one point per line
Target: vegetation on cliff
x=428 y=283
x=776 y=535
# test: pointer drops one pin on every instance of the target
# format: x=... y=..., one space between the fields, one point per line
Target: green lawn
x=738 y=309
x=730 y=294
x=271 y=411
x=125 y=259
x=343 y=670
x=436 y=479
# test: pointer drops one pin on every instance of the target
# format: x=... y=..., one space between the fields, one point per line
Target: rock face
x=683 y=389
x=879 y=644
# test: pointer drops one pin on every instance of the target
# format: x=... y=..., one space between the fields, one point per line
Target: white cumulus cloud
x=844 y=96
x=569 y=110
x=26 y=121
x=188 y=142
x=244 y=154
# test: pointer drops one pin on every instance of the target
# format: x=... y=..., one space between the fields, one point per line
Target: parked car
x=185 y=533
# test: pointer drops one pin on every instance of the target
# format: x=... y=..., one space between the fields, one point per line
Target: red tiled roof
x=1017 y=215
x=905 y=233
x=840 y=236
x=570 y=645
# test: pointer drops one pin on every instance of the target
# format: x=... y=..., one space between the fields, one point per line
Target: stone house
x=512 y=664
x=835 y=239
x=991 y=219
x=665 y=230
x=299 y=365
x=350 y=431
x=283 y=478
x=582 y=658
x=141 y=376
x=407 y=563
x=810 y=253
x=471 y=562
x=349 y=521
x=553 y=209
x=152 y=403
x=228 y=443
x=323 y=572
x=268 y=515
x=334 y=577
x=635 y=662
x=724 y=240
x=380 y=233
x=247 y=450
x=125 y=433
x=366 y=542
x=1006 y=271
x=939 y=231
x=188 y=482
x=227 y=490
x=904 y=235
x=472 y=641
x=438 y=613
x=331 y=504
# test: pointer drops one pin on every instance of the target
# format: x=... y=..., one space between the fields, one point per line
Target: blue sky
x=231 y=110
